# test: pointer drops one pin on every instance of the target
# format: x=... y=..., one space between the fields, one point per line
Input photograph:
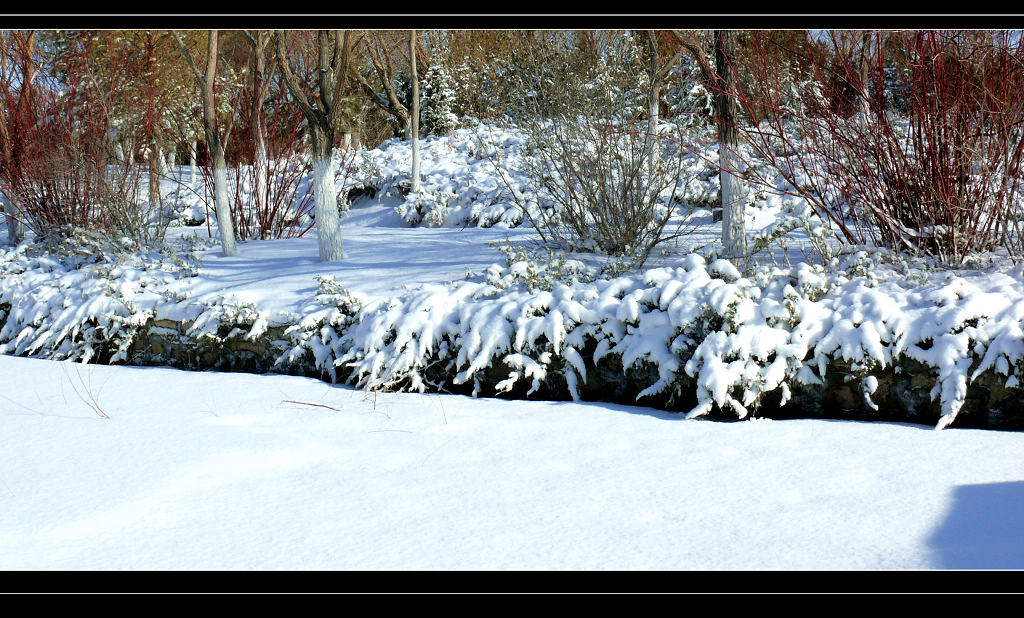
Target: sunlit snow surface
x=208 y=470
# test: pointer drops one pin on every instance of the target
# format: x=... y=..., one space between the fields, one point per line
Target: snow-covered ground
x=380 y=260
x=235 y=471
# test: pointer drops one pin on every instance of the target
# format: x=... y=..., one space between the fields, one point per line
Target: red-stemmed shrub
x=939 y=179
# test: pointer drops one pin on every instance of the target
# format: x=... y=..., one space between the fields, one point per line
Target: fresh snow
x=380 y=261
x=204 y=470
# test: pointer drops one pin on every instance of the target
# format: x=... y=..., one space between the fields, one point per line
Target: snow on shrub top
x=700 y=324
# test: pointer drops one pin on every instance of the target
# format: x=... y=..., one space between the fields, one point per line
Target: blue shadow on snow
x=984 y=528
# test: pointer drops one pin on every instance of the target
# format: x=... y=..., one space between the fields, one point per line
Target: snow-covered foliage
x=482 y=177
x=319 y=338
x=82 y=301
x=703 y=326
x=459 y=184
x=697 y=326
x=687 y=96
x=438 y=102
x=477 y=177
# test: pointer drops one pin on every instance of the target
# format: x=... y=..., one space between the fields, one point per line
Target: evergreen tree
x=438 y=101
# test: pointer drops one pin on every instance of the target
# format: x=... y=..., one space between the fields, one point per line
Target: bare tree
x=381 y=49
x=659 y=71
x=259 y=40
x=323 y=111
x=733 y=233
x=415 y=122
x=378 y=51
x=205 y=81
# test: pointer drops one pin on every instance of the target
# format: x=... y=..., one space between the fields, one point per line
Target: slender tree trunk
x=733 y=196
x=652 y=127
x=220 y=200
x=154 y=175
x=192 y=162
x=169 y=161
x=415 y=113
x=15 y=226
x=205 y=81
x=865 y=102
x=220 y=196
x=220 y=180
x=259 y=93
x=260 y=163
x=652 y=104
x=328 y=222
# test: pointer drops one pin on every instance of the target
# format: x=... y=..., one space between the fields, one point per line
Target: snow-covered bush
x=319 y=340
x=697 y=334
x=536 y=270
x=606 y=198
x=81 y=301
x=704 y=329
x=459 y=185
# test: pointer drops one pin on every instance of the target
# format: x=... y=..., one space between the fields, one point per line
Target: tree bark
x=328 y=222
x=15 y=226
x=192 y=162
x=154 y=175
x=415 y=122
x=261 y=86
x=652 y=103
x=733 y=196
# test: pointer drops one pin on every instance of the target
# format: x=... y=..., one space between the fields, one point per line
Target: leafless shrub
x=595 y=184
x=57 y=164
x=939 y=180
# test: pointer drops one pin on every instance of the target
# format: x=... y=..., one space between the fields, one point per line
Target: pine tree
x=438 y=101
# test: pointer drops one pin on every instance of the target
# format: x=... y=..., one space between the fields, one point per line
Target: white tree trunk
x=192 y=163
x=652 y=129
x=347 y=140
x=260 y=165
x=15 y=226
x=227 y=228
x=415 y=164
x=159 y=159
x=328 y=223
x=170 y=162
x=415 y=113
x=734 y=236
